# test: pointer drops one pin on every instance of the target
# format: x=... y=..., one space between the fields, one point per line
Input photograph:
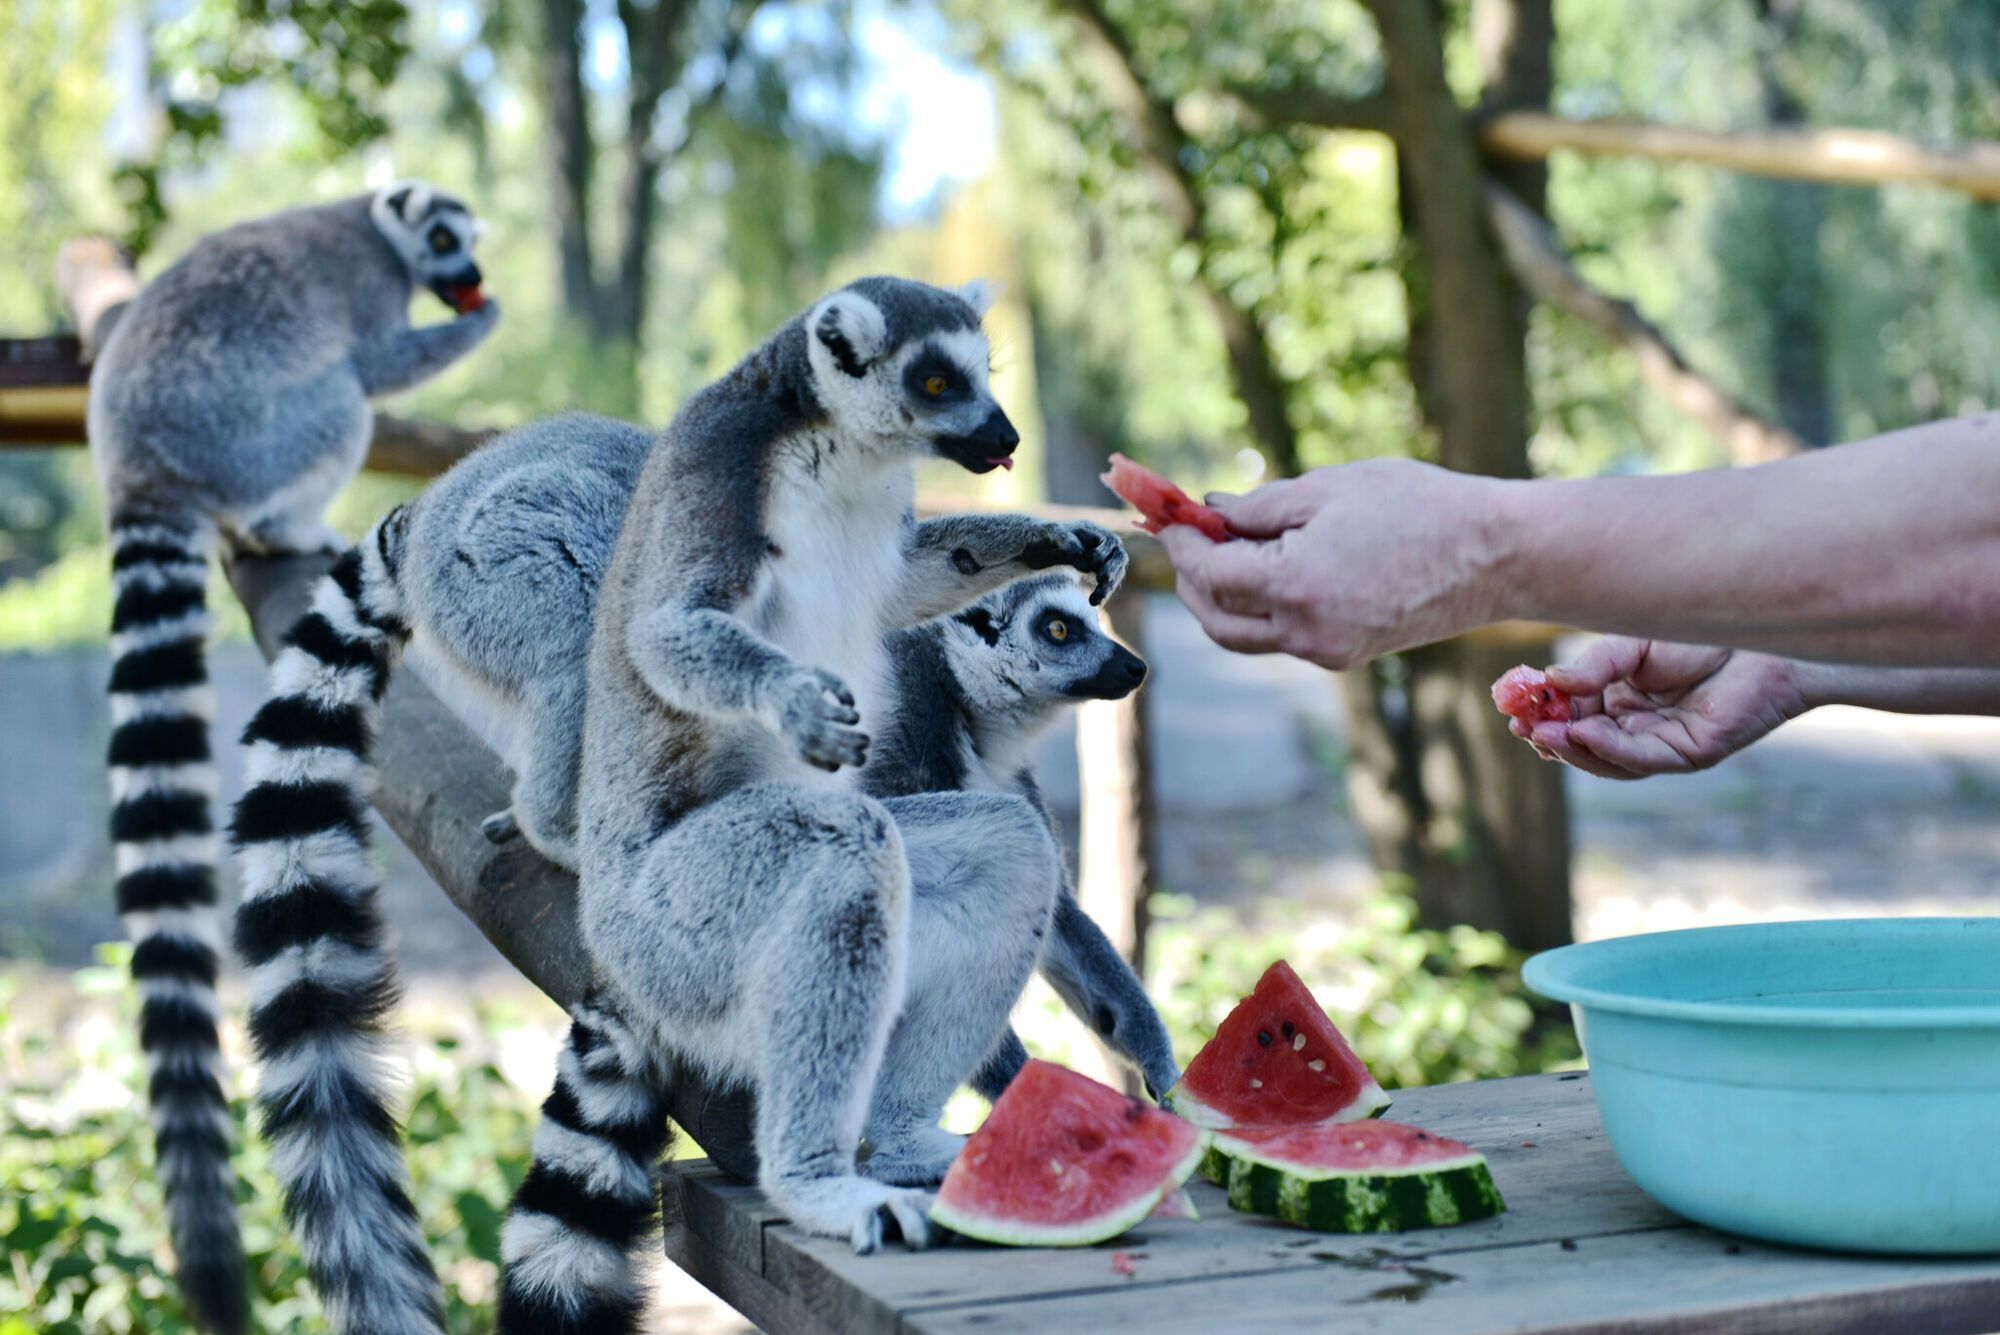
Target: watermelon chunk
x=465 y=298
x=1160 y=501
x=1277 y=1060
x=1063 y=1161
x=1524 y=693
x=1366 y=1177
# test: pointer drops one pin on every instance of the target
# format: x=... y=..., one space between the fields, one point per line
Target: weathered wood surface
x=1579 y=1248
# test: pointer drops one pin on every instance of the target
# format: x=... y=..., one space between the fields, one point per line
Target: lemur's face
x=435 y=234
x=905 y=362
x=1038 y=641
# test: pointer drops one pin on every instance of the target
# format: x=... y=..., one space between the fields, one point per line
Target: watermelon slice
x=1277 y=1060
x=1063 y=1161
x=1367 y=1177
x=1160 y=501
x=465 y=298
x=1524 y=693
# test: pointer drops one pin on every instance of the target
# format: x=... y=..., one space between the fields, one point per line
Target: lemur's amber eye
x=442 y=240
x=934 y=385
x=1059 y=630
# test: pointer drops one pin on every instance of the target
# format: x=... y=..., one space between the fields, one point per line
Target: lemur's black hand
x=1081 y=545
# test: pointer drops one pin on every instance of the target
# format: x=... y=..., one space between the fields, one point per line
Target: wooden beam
x=1538 y=260
x=1836 y=156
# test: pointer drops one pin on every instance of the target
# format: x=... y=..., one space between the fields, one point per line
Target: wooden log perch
x=1835 y=156
x=1537 y=258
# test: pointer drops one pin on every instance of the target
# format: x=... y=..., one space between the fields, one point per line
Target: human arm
x=1884 y=551
x=1646 y=707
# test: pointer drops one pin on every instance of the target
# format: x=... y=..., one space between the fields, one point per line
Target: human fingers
x=1232 y=630
x=1243 y=576
x=1653 y=744
x=1269 y=510
x=1557 y=741
x=1604 y=660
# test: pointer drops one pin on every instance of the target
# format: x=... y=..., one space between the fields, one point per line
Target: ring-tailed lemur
x=229 y=402
x=806 y=443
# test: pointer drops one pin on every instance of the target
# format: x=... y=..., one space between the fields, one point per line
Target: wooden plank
x=1679 y=1280
x=760 y=1302
x=1541 y=1134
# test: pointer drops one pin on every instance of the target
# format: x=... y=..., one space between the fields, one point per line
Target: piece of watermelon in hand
x=1524 y=694
x=1161 y=502
x=1277 y=1060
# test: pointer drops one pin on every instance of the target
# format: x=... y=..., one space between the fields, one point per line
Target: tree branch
x=1839 y=156
x=1162 y=144
x=1318 y=108
x=1536 y=256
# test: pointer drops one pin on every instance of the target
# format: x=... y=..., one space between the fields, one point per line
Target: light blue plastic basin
x=1827 y=1084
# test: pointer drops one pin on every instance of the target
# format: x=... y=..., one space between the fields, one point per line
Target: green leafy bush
x=1421 y=1006
x=82 y=1225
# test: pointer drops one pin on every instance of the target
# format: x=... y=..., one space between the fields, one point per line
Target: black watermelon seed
x=1288 y=1029
x=1263 y=1038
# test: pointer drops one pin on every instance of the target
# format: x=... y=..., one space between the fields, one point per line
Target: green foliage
x=82 y=1226
x=1421 y=1006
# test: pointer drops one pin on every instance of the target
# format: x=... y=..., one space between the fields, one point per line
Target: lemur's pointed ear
x=851 y=329
x=980 y=294
x=406 y=201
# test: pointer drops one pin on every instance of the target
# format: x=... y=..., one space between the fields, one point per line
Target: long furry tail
x=322 y=984
x=163 y=789
x=589 y=1200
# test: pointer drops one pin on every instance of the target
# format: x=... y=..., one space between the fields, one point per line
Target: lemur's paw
x=920 y=1159
x=818 y=716
x=865 y=1213
x=1084 y=546
x=500 y=827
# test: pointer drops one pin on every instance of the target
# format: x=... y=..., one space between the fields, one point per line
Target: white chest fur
x=834 y=519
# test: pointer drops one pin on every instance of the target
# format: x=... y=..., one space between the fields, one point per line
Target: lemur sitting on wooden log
x=228 y=404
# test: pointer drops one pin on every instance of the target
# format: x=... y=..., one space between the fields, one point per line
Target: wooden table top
x=1580 y=1248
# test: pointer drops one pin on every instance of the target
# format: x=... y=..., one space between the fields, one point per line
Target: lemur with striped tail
x=822 y=420
x=228 y=403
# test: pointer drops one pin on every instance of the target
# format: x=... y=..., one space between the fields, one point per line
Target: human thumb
x=1268 y=511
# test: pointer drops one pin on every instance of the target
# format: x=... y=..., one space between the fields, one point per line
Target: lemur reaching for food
x=228 y=403
x=770 y=545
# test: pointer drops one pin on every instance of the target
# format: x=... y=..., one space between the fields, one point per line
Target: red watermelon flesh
x=1160 y=501
x=1277 y=1060
x=1380 y=1149
x=1524 y=693
x=465 y=298
x=1063 y=1161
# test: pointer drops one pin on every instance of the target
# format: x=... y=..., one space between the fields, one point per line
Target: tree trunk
x=1445 y=795
x=570 y=153
x=1794 y=279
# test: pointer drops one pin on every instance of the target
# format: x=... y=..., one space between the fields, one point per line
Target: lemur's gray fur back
x=228 y=403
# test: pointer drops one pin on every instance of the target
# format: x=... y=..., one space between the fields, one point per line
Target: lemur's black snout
x=1119 y=675
x=988 y=446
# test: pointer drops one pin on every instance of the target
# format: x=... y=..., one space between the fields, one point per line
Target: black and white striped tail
x=322 y=984
x=588 y=1201
x=163 y=792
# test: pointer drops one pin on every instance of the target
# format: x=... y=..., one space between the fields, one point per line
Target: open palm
x=1645 y=707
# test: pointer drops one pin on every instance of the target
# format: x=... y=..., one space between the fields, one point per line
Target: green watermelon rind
x=1009 y=1232
x=1371 y=1101
x=1452 y=1191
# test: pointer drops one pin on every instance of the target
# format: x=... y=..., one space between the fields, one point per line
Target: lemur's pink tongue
x=1005 y=461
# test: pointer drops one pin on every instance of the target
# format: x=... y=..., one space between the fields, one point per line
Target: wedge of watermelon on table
x=1362 y=1177
x=1277 y=1060
x=1160 y=501
x=1063 y=1161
